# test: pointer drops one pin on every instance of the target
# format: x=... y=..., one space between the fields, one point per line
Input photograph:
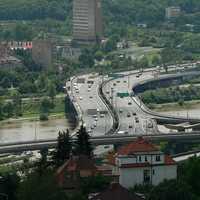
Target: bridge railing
x=115 y=117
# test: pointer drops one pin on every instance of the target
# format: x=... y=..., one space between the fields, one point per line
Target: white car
x=102 y=116
x=80 y=98
x=96 y=119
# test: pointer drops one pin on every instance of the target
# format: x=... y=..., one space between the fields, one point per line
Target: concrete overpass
x=103 y=140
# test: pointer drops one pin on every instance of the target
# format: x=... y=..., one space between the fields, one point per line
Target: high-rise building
x=87 y=20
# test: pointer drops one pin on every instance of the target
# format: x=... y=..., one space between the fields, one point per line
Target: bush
x=44 y=117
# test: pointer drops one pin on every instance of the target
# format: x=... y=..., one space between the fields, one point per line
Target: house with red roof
x=141 y=162
x=69 y=174
x=115 y=192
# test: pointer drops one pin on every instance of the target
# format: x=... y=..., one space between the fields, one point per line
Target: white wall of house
x=129 y=177
x=141 y=158
x=163 y=172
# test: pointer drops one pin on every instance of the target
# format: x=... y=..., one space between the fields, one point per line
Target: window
x=146 y=178
x=140 y=159
x=146 y=159
x=157 y=158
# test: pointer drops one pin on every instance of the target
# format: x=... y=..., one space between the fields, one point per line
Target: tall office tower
x=87 y=20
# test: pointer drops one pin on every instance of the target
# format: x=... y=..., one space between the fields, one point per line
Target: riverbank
x=31 y=111
x=166 y=107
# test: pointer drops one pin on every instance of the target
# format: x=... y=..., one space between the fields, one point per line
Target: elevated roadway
x=133 y=118
x=103 y=140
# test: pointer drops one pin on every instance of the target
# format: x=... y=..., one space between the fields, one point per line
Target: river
x=18 y=131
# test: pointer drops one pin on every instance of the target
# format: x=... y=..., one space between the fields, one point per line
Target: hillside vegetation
x=34 y=9
x=127 y=11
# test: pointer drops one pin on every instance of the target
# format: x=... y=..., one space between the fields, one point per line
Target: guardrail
x=115 y=126
x=104 y=140
x=164 y=116
x=77 y=110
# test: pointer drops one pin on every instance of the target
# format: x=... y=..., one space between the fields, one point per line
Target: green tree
x=83 y=145
x=45 y=107
x=190 y=173
x=98 y=55
x=17 y=102
x=173 y=190
x=86 y=58
x=40 y=187
x=156 y=60
x=8 y=184
x=42 y=164
x=63 y=148
x=8 y=109
x=51 y=91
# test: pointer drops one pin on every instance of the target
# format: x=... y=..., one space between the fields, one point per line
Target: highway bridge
x=123 y=119
x=102 y=140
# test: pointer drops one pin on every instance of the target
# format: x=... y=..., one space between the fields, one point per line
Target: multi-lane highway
x=94 y=113
x=133 y=115
x=97 y=115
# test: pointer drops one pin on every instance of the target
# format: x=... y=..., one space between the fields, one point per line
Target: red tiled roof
x=77 y=164
x=140 y=145
x=116 y=192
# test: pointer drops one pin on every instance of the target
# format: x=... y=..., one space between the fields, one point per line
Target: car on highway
x=136 y=119
x=96 y=119
x=129 y=103
x=118 y=81
x=120 y=111
x=81 y=98
x=125 y=81
x=94 y=116
x=128 y=115
x=89 y=89
x=90 y=97
x=95 y=125
x=137 y=76
x=102 y=115
x=130 y=126
x=120 y=132
x=134 y=114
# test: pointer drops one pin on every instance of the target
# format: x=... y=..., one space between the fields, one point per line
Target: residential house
x=141 y=162
x=115 y=192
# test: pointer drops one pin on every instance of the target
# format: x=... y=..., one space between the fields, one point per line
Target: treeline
x=148 y=11
x=34 y=9
x=168 y=95
x=126 y=11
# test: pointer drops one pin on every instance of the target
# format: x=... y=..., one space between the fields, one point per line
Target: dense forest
x=127 y=11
